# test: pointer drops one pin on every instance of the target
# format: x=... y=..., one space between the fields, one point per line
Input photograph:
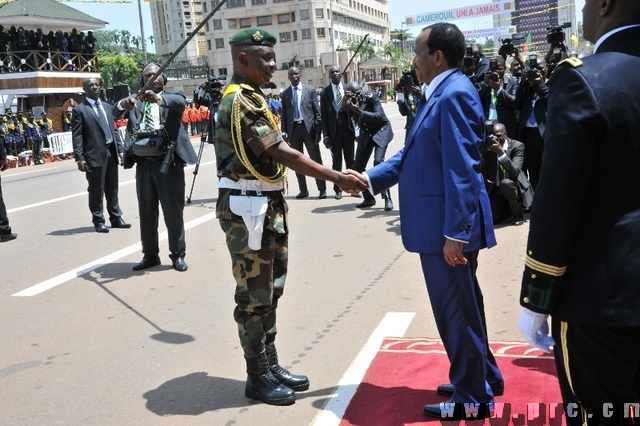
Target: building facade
x=306 y=30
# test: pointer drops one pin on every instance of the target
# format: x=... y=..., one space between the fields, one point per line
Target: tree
x=395 y=55
x=120 y=69
x=365 y=53
x=401 y=36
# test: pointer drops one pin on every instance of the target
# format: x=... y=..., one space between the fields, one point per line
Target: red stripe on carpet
x=405 y=373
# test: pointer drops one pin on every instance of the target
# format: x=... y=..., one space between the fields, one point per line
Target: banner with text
x=461 y=13
x=490 y=32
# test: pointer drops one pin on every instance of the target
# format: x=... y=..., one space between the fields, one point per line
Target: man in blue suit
x=445 y=216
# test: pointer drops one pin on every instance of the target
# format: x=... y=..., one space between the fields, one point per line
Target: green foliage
x=397 y=57
x=120 y=58
x=365 y=53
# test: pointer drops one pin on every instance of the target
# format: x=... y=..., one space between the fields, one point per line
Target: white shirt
x=299 y=95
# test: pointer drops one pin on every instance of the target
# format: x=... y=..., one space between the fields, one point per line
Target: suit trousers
x=5 y=229
x=599 y=369
x=505 y=201
x=533 y=148
x=103 y=183
x=458 y=308
x=168 y=190
x=299 y=140
x=342 y=145
x=365 y=148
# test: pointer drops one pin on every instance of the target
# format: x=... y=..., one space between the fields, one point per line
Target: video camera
x=213 y=86
x=555 y=35
x=409 y=79
x=469 y=60
x=507 y=48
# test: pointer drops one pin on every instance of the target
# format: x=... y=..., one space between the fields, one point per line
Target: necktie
x=296 y=108
x=493 y=112
x=338 y=96
x=102 y=119
x=147 y=118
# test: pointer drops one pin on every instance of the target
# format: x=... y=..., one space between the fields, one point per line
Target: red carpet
x=406 y=371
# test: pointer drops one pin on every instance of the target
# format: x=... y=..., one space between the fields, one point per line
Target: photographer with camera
x=408 y=92
x=533 y=94
x=375 y=135
x=499 y=98
x=159 y=177
x=474 y=64
x=507 y=185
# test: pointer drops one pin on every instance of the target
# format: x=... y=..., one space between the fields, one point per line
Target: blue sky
x=125 y=15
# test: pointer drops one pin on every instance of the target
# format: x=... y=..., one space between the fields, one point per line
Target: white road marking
x=81 y=270
x=29 y=172
x=394 y=324
x=84 y=193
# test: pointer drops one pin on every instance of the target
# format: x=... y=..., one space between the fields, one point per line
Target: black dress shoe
x=120 y=223
x=7 y=237
x=100 y=227
x=388 y=205
x=303 y=194
x=369 y=202
x=338 y=195
x=457 y=411
x=323 y=195
x=179 y=264
x=146 y=263
x=518 y=220
x=448 y=389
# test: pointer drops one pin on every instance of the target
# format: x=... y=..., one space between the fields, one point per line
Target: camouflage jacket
x=258 y=134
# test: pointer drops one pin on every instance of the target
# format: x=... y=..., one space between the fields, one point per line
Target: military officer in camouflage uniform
x=252 y=164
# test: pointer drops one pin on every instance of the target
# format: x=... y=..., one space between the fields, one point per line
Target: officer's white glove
x=535 y=329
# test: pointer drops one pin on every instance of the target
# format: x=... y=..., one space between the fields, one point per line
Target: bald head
x=601 y=16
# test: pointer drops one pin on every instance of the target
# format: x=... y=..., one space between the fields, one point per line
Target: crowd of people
x=21 y=133
x=54 y=50
x=195 y=119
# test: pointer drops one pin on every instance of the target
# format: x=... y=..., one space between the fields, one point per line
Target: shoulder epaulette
x=573 y=62
x=238 y=87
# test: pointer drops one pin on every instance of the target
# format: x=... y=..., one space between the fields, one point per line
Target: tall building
x=535 y=16
x=306 y=29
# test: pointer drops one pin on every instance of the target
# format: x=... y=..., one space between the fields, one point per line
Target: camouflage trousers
x=260 y=276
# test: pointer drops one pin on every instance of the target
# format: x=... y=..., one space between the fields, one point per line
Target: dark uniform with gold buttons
x=583 y=253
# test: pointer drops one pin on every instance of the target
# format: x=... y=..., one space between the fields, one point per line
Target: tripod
x=204 y=139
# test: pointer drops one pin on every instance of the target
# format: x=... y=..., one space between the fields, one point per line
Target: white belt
x=249 y=185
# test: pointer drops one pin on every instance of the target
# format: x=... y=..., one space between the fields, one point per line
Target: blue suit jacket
x=438 y=172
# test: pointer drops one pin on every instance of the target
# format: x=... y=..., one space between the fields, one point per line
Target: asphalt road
x=84 y=340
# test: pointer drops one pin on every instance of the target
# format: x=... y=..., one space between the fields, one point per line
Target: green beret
x=253 y=37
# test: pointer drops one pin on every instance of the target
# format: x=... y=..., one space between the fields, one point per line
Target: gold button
x=525 y=300
x=534 y=276
x=530 y=253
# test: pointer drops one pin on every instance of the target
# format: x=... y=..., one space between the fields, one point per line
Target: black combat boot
x=293 y=381
x=262 y=385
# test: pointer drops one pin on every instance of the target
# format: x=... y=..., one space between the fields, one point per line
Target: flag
x=527 y=43
x=574 y=39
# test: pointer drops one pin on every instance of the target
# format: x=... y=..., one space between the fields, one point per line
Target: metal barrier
x=60 y=145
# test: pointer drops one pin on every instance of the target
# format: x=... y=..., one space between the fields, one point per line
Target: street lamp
x=144 y=43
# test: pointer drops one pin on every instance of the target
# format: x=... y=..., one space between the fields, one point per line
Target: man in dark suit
x=375 y=133
x=445 y=216
x=508 y=187
x=300 y=124
x=5 y=229
x=97 y=148
x=533 y=94
x=152 y=110
x=500 y=99
x=340 y=139
x=583 y=264
x=479 y=66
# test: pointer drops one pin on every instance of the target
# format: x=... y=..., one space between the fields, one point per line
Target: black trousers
x=103 y=183
x=366 y=147
x=5 y=229
x=533 y=148
x=599 y=372
x=168 y=190
x=343 y=145
x=505 y=201
x=299 y=140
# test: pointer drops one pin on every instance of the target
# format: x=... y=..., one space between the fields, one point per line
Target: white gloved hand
x=535 y=329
